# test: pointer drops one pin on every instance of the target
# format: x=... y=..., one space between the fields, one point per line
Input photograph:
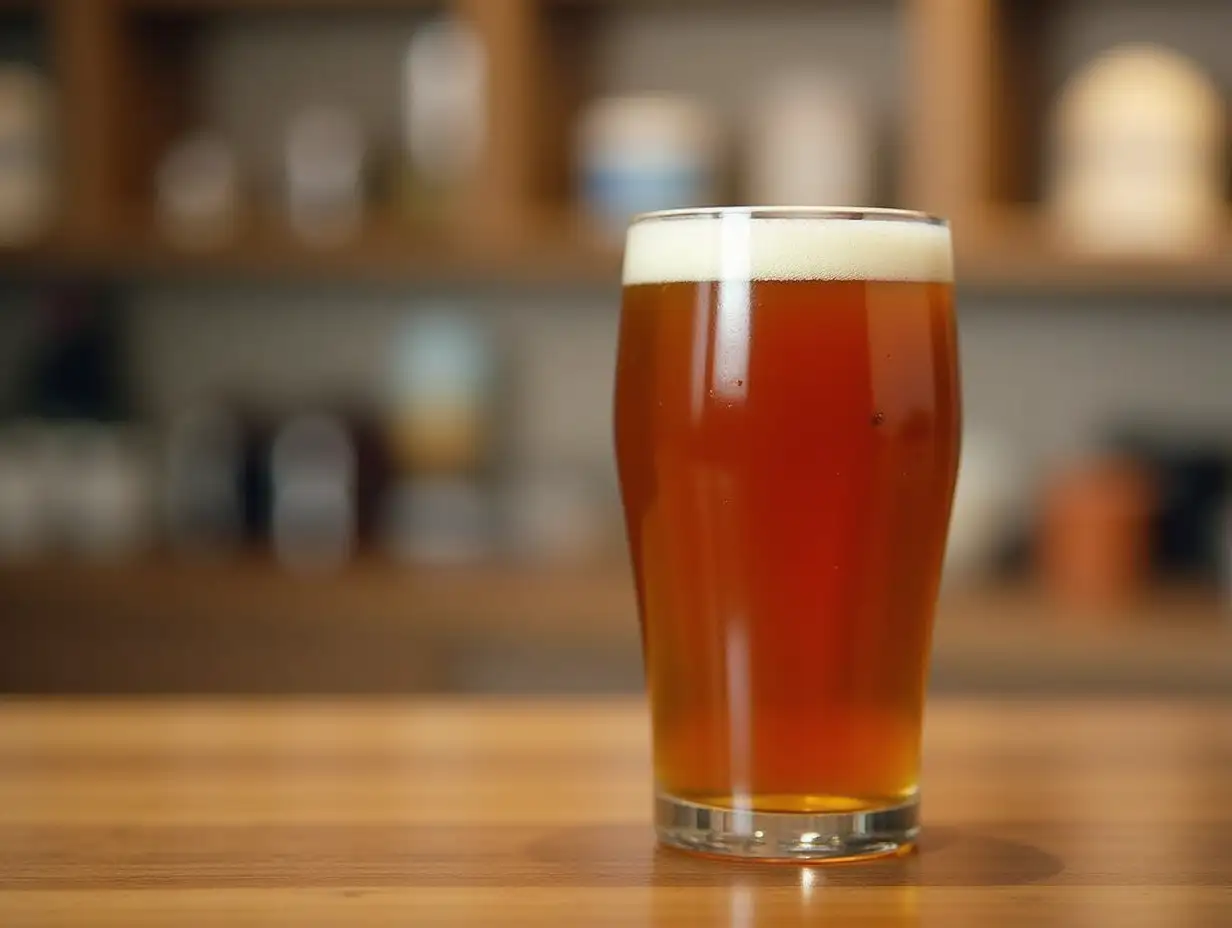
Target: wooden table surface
x=536 y=813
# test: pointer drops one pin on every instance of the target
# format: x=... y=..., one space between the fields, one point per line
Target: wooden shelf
x=997 y=639
x=972 y=103
x=386 y=250
x=1008 y=258
x=1019 y=639
x=584 y=605
x=1011 y=249
x=376 y=256
x=379 y=253
x=1048 y=270
x=987 y=75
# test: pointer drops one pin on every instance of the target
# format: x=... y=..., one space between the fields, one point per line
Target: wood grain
x=369 y=812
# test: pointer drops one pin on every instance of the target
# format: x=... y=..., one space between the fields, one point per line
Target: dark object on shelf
x=354 y=425
x=329 y=469
x=1194 y=477
x=257 y=427
x=76 y=369
x=313 y=465
x=202 y=476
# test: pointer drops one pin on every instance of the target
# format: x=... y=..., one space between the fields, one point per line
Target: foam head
x=742 y=245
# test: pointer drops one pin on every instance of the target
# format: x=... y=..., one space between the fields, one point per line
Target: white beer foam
x=737 y=246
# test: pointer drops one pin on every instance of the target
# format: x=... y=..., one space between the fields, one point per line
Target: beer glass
x=787 y=433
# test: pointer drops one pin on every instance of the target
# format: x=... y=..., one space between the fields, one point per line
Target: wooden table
x=483 y=813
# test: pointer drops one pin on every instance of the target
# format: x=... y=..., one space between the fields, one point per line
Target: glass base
x=786 y=836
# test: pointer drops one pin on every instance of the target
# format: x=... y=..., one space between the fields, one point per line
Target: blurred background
x=308 y=314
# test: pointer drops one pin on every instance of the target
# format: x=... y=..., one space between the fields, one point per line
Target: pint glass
x=787 y=431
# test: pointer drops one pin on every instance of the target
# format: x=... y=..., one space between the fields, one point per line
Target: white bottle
x=26 y=529
x=445 y=103
x=198 y=192
x=202 y=481
x=325 y=156
x=102 y=493
x=810 y=143
x=313 y=471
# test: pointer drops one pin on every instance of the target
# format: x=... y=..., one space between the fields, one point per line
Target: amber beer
x=787 y=431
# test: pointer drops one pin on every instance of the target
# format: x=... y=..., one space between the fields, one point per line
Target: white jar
x=641 y=153
x=810 y=143
x=198 y=185
x=99 y=483
x=444 y=100
x=325 y=160
x=1137 y=160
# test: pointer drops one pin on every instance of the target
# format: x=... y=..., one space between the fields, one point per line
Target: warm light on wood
x=537 y=813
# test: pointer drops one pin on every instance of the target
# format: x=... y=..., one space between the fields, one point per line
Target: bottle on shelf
x=314 y=514
x=29 y=188
x=811 y=141
x=103 y=496
x=1138 y=156
x=1094 y=545
x=441 y=402
x=557 y=514
x=640 y=153
x=26 y=529
x=203 y=481
x=444 y=100
x=198 y=192
x=326 y=155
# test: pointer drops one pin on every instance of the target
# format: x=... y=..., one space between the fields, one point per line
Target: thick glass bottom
x=787 y=836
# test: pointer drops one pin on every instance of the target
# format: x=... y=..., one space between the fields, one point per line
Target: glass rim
x=841 y=213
